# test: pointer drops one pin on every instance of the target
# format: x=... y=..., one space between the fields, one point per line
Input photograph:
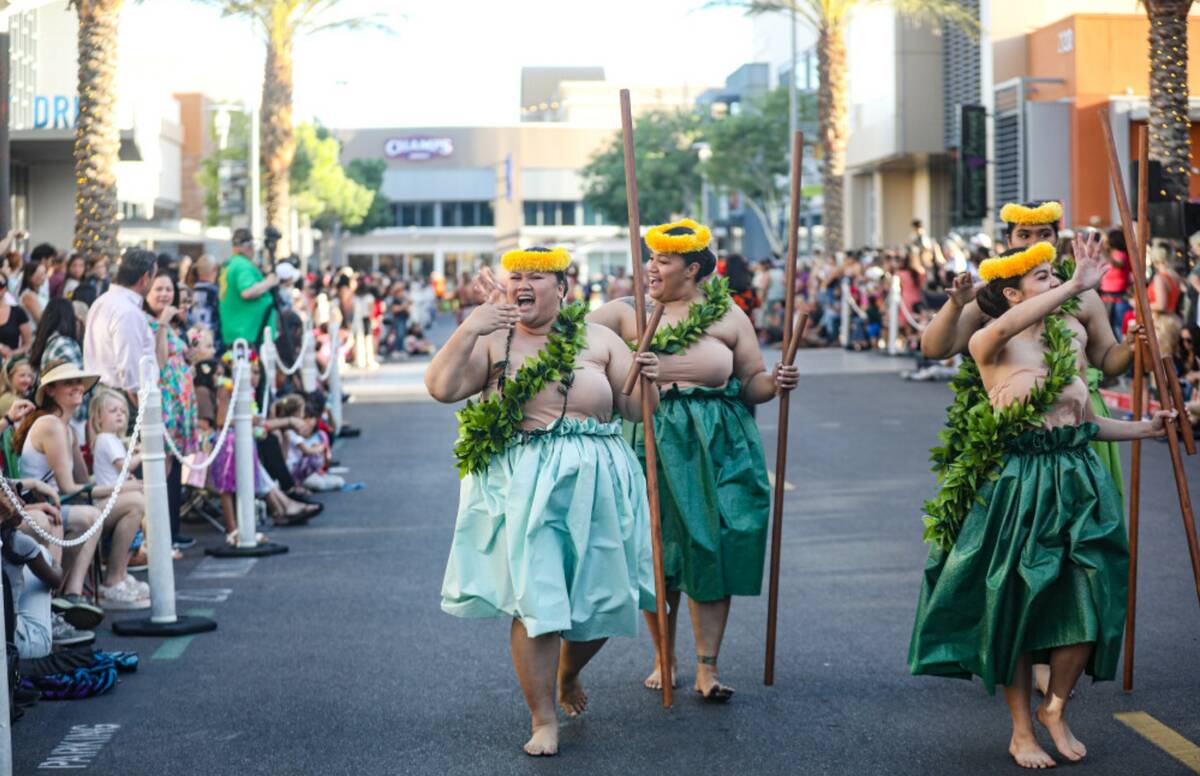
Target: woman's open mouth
x=525 y=301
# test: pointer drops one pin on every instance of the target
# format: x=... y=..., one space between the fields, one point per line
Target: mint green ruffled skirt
x=556 y=533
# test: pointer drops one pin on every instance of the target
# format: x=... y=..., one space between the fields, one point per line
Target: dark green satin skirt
x=713 y=490
x=1043 y=562
x=1109 y=452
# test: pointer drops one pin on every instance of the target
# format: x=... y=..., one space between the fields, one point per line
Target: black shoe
x=182 y=542
x=25 y=696
x=303 y=498
x=77 y=610
x=350 y=432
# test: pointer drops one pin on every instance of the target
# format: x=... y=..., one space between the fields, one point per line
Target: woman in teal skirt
x=1037 y=567
x=553 y=525
x=712 y=478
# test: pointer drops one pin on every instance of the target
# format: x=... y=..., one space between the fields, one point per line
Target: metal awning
x=31 y=146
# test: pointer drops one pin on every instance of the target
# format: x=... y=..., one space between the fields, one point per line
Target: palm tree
x=97 y=138
x=830 y=19
x=1169 y=123
x=280 y=22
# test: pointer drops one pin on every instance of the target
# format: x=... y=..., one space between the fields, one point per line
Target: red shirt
x=1118 y=277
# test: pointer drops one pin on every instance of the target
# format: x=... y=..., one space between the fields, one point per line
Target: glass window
x=486 y=216
x=567 y=210
x=470 y=213
x=531 y=214
x=450 y=214
x=549 y=213
x=425 y=214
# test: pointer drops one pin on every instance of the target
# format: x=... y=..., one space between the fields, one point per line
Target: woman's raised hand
x=495 y=313
x=964 y=289
x=1090 y=262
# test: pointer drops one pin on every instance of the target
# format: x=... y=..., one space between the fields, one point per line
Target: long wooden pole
x=1135 y=503
x=1142 y=306
x=789 y=334
x=639 y=297
x=635 y=370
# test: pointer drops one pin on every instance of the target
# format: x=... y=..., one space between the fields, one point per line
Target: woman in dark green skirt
x=1039 y=567
x=712 y=478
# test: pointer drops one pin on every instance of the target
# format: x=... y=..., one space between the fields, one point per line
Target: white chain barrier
x=858 y=311
x=212 y=456
x=908 y=316
x=295 y=367
x=15 y=501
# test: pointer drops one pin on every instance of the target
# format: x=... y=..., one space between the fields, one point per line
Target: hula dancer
x=1037 y=565
x=553 y=525
x=713 y=487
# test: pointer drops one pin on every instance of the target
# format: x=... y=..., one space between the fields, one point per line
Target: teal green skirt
x=1042 y=563
x=556 y=533
x=1109 y=452
x=713 y=491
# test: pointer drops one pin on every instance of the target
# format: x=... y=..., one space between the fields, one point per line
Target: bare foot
x=544 y=741
x=708 y=684
x=571 y=696
x=654 y=680
x=1028 y=754
x=1065 y=741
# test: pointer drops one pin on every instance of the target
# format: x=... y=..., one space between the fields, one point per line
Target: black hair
x=738 y=272
x=134 y=264
x=43 y=252
x=241 y=236
x=1116 y=240
x=58 y=318
x=1009 y=226
x=703 y=257
x=991 y=297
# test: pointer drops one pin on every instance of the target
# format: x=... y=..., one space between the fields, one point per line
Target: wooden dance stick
x=639 y=296
x=635 y=370
x=798 y=332
x=791 y=338
x=1142 y=306
x=1135 y=502
x=1177 y=403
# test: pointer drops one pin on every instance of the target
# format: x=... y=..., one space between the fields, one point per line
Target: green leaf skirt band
x=713 y=491
x=1041 y=562
x=555 y=532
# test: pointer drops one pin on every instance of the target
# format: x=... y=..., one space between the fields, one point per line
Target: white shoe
x=122 y=597
x=324 y=482
x=140 y=587
x=67 y=635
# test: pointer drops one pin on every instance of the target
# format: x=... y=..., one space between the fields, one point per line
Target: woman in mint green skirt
x=553 y=527
x=1033 y=566
x=712 y=478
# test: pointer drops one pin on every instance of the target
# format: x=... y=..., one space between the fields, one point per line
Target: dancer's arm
x=949 y=333
x=460 y=368
x=620 y=359
x=758 y=385
x=616 y=315
x=1103 y=351
x=1126 y=430
x=987 y=344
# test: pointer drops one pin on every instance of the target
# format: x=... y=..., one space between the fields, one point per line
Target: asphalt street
x=335 y=658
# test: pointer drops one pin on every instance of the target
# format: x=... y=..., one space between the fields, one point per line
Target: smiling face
x=76 y=268
x=161 y=293
x=537 y=295
x=67 y=394
x=21 y=379
x=669 y=277
x=1025 y=235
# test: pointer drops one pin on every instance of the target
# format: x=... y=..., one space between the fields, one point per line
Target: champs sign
x=418 y=148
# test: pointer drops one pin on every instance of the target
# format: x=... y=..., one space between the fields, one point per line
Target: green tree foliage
x=208 y=176
x=320 y=187
x=668 y=173
x=369 y=174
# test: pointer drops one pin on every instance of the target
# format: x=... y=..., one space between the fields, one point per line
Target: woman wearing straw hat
x=553 y=523
x=712 y=475
x=50 y=452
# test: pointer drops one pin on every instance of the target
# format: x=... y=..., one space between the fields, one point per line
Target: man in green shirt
x=246 y=303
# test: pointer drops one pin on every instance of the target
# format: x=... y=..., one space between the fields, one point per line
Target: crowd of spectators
x=74 y=331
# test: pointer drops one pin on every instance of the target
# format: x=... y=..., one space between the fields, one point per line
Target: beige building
x=462 y=195
x=582 y=96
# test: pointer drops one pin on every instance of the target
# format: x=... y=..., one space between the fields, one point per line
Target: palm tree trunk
x=97 y=138
x=1169 y=123
x=832 y=96
x=278 y=135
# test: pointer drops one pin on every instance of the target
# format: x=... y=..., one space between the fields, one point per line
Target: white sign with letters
x=418 y=148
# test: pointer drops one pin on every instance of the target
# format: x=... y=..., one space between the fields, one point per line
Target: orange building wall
x=1109 y=57
x=193 y=112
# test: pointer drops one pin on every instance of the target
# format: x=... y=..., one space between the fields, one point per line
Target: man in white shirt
x=117 y=334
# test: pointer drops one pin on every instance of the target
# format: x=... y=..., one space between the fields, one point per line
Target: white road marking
x=79 y=747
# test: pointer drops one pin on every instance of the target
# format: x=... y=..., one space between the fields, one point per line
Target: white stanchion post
x=309 y=371
x=893 y=323
x=5 y=727
x=335 y=374
x=243 y=453
x=844 y=332
x=243 y=450
x=163 y=620
x=268 y=354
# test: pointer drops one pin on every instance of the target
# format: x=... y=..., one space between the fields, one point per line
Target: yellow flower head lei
x=536 y=259
x=1015 y=263
x=1041 y=213
x=692 y=237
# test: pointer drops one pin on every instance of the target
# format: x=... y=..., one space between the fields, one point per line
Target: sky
x=442 y=62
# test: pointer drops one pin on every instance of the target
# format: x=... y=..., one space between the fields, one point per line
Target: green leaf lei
x=1064 y=268
x=489 y=426
x=977 y=433
x=680 y=336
